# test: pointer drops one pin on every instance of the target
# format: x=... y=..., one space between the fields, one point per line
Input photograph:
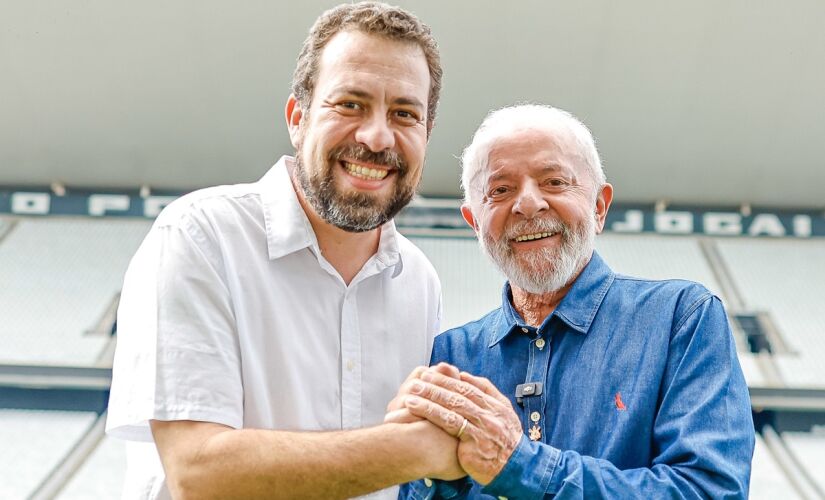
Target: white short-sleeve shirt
x=230 y=314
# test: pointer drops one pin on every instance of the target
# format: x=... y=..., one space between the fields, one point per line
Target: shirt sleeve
x=424 y=489
x=178 y=354
x=703 y=434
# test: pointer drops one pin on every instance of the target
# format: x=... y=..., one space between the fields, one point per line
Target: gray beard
x=353 y=212
x=542 y=270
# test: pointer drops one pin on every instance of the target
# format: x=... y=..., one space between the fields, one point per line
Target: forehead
x=530 y=150
x=353 y=57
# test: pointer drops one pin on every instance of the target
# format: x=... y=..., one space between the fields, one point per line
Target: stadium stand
x=470 y=285
x=767 y=478
x=5 y=226
x=59 y=311
x=751 y=369
x=785 y=278
x=102 y=475
x=809 y=449
x=34 y=443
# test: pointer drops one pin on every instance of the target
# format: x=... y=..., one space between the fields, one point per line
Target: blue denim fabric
x=643 y=394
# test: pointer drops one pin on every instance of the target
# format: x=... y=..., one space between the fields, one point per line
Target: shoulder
x=210 y=206
x=670 y=286
x=682 y=295
x=679 y=307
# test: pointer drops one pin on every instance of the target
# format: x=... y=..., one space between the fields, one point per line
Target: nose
x=375 y=133
x=530 y=201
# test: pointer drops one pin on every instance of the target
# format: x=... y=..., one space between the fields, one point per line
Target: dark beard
x=354 y=212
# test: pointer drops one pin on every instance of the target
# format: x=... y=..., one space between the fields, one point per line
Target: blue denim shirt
x=643 y=394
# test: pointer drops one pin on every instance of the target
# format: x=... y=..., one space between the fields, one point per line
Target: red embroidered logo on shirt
x=619 y=404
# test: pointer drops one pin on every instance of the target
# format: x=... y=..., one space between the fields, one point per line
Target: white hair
x=503 y=122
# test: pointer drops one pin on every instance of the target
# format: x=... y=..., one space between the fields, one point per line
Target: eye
x=350 y=106
x=406 y=116
x=555 y=182
x=498 y=191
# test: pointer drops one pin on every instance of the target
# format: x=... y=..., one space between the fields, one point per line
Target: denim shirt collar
x=577 y=309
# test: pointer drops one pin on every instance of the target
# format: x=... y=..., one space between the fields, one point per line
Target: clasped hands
x=445 y=397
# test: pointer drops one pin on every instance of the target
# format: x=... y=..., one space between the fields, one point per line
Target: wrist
x=409 y=442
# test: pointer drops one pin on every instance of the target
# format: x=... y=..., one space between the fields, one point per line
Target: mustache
x=358 y=152
x=542 y=225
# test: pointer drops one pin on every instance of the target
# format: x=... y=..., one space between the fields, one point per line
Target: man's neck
x=346 y=251
x=534 y=307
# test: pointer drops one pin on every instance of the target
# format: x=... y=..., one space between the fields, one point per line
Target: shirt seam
x=186 y=209
x=693 y=307
x=598 y=302
x=495 y=331
x=545 y=478
x=215 y=415
x=197 y=239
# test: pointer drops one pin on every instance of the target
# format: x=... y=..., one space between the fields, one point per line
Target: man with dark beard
x=595 y=385
x=255 y=313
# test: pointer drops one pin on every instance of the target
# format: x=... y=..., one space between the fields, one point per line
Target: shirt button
x=535 y=416
x=525 y=330
x=350 y=365
x=540 y=343
x=428 y=482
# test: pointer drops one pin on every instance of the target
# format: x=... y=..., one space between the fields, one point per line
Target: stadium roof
x=700 y=102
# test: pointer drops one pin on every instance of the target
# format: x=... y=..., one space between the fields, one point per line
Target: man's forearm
x=253 y=463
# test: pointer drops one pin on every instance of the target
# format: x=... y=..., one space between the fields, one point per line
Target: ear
x=603 y=200
x=468 y=217
x=294 y=114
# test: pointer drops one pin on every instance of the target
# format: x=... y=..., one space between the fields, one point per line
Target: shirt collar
x=287 y=227
x=577 y=308
x=388 y=253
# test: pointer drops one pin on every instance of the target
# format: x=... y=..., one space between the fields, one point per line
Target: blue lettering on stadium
x=445 y=214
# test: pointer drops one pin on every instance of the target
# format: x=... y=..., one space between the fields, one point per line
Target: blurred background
x=709 y=117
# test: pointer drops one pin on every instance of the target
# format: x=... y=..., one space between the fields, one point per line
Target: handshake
x=465 y=426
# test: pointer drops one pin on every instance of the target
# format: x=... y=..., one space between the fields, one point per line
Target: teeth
x=372 y=174
x=535 y=236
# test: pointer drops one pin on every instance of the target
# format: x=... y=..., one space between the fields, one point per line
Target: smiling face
x=539 y=209
x=360 y=147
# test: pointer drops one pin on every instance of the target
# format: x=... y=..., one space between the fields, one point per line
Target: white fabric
x=230 y=314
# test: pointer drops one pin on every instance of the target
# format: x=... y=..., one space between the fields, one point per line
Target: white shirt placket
x=350 y=361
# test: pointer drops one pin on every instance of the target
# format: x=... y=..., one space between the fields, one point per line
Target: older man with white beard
x=587 y=384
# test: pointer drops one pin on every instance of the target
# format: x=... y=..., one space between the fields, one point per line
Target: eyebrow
x=409 y=101
x=355 y=92
x=549 y=167
x=553 y=167
x=363 y=94
x=495 y=177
